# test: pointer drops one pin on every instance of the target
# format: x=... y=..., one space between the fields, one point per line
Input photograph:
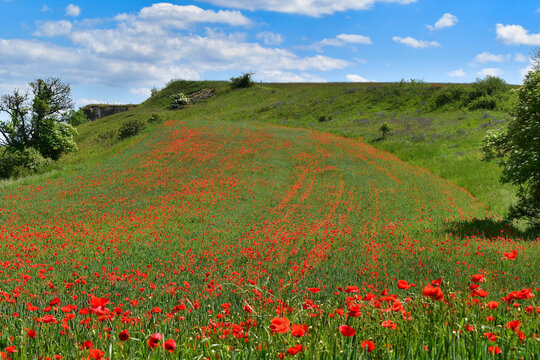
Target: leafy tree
x=517 y=149
x=385 y=129
x=38 y=124
x=535 y=58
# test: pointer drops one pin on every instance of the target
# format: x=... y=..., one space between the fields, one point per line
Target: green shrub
x=243 y=81
x=107 y=136
x=130 y=128
x=178 y=101
x=75 y=118
x=483 y=103
x=385 y=129
x=155 y=118
x=517 y=149
x=325 y=118
x=19 y=163
x=449 y=95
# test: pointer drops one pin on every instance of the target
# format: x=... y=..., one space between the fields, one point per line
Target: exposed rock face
x=97 y=111
x=201 y=95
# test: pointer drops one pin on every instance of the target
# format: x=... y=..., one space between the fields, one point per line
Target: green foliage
x=154 y=118
x=153 y=92
x=56 y=138
x=178 y=101
x=130 y=128
x=107 y=136
x=385 y=129
x=75 y=118
x=242 y=81
x=324 y=118
x=517 y=149
x=24 y=162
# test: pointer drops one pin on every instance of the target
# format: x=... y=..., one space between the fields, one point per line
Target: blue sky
x=116 y=51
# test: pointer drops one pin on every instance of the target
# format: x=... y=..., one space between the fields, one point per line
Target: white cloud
x=270 y=38
x=489 y=57
x=516 y=35
x=182 y=17
x=314 y=8
x=287 y=77
x=356 y=78
x=520 y=58
x=457 y=73
x=45 y=8
x=339 y=40
x=149 y=47
x=141 y=91
x=490 y=72
x=417 y=44
x=354 y=39
x=73 y=10
x=447 y=20
x=524 y=71
x=53 y=28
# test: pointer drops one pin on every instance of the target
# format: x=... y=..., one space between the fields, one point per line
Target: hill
x=214 y=234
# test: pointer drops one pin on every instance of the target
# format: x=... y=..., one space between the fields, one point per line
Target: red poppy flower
x=299 y=330
x=88 y=344
x=280 y=325
x=433 y=292
x=346 y=330
x=352 y=289
x=124 y=335
x=492 y=304
x=510 y=255
x=476 y=278
x=54 y=301
x=314 y=290
x=513 y=325
x=295 y=349
x=31 y=333
x=367 y=345
x=494 y=350
x=436 y=282
x=402 y=284
x=96 y=354
x=170 y=345
x=11 y=349
x=389 y=324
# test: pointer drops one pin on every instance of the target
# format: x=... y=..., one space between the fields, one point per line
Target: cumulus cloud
x=489 y=57
x=151 y=47
x=53 y=28
x=340 y=40
x=141 y=91
x=447 y=20
x=270 y=38
x=314 y=8
x=457 y=73
x=287 y=77
x=516 y=35
x=520 y=58
x=356 y=78
x=414 y=43
x=490 y=72
x=73 y=10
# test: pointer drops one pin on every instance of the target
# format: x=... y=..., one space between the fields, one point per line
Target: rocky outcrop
x=98 y=111
x=201 y=95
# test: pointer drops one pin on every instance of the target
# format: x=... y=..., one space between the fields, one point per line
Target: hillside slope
x=225 y=234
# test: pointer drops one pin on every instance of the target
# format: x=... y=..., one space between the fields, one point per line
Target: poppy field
x=219 y=240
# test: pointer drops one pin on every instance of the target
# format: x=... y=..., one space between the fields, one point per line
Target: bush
x=449 y=95
x=154 y=118
x=19 y=163
x=385 y=129
x=178 y=101
x=75 y=118
x=517 y=149
x=325 y=118
x=130 y=128
x=243 y=81
x=107 y=136
x=483 y=103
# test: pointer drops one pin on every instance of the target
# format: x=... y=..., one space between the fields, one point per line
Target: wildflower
x=347 y=331
x=280 y=325
x=367 y=345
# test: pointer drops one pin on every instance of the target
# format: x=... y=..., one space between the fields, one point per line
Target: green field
x=243 y=227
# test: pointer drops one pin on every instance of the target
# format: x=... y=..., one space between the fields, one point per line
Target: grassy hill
x=243 y=227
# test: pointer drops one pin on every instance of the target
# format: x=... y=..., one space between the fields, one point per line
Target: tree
x=517 y=149
x=535 y=58
x=39 y=124
x=385 y=129
x=243 y=81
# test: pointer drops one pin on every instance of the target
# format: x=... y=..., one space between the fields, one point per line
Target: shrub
x=517 y=149
x=19 y=163
x=449 y=95
x=154 y=118
x=130 y=128
x=178 y=101
x=107 y=136
x=325 y=118
x=385 y=129
x=153 y=92
x=75 y=118
x=483 y=103
x=243 y=81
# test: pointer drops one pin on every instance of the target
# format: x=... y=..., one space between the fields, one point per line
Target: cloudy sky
x=115 y=51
